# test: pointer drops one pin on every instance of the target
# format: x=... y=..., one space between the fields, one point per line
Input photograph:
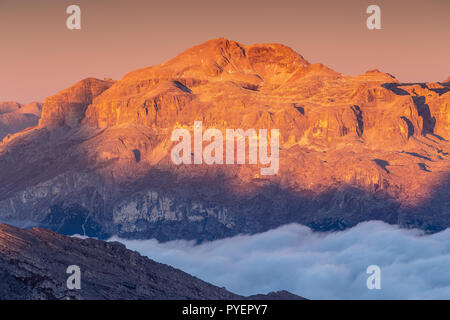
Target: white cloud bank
x=317 y=265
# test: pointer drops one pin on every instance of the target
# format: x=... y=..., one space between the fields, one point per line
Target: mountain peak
x=275 y=50
x=377 y=76
x=226 y=51
x=338 y=134
x=226 y=59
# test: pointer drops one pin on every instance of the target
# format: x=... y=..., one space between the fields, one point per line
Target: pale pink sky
x=39 y=56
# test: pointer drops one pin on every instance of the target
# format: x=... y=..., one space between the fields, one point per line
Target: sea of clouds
x=316 y=265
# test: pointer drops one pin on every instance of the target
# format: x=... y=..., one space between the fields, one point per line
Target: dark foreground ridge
x=33 y=265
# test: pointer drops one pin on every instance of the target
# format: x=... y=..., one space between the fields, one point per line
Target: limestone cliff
x=352 y=149
x=68 y=106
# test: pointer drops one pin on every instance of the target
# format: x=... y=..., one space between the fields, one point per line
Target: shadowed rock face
x=351 y=149
x=33 y=265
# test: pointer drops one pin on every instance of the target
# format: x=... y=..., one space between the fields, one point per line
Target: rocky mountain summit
x=33 y=265
x=352 y=149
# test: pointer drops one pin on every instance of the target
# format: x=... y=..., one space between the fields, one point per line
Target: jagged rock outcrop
x=34 y=263
x=68 y=106
x=351 y=149
x=15 y=117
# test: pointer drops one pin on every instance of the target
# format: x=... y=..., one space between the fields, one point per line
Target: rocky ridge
x=33 y=266
x=352 y=149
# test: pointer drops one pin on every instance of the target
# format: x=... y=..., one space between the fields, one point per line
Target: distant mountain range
x=15 y=117
x=352 y=149
x=34 y=263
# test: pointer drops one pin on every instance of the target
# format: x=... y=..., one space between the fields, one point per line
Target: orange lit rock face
x=68 y=106
x=231 y=85
x=351 y=148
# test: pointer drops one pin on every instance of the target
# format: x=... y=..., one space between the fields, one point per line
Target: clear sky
x=39 y=56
